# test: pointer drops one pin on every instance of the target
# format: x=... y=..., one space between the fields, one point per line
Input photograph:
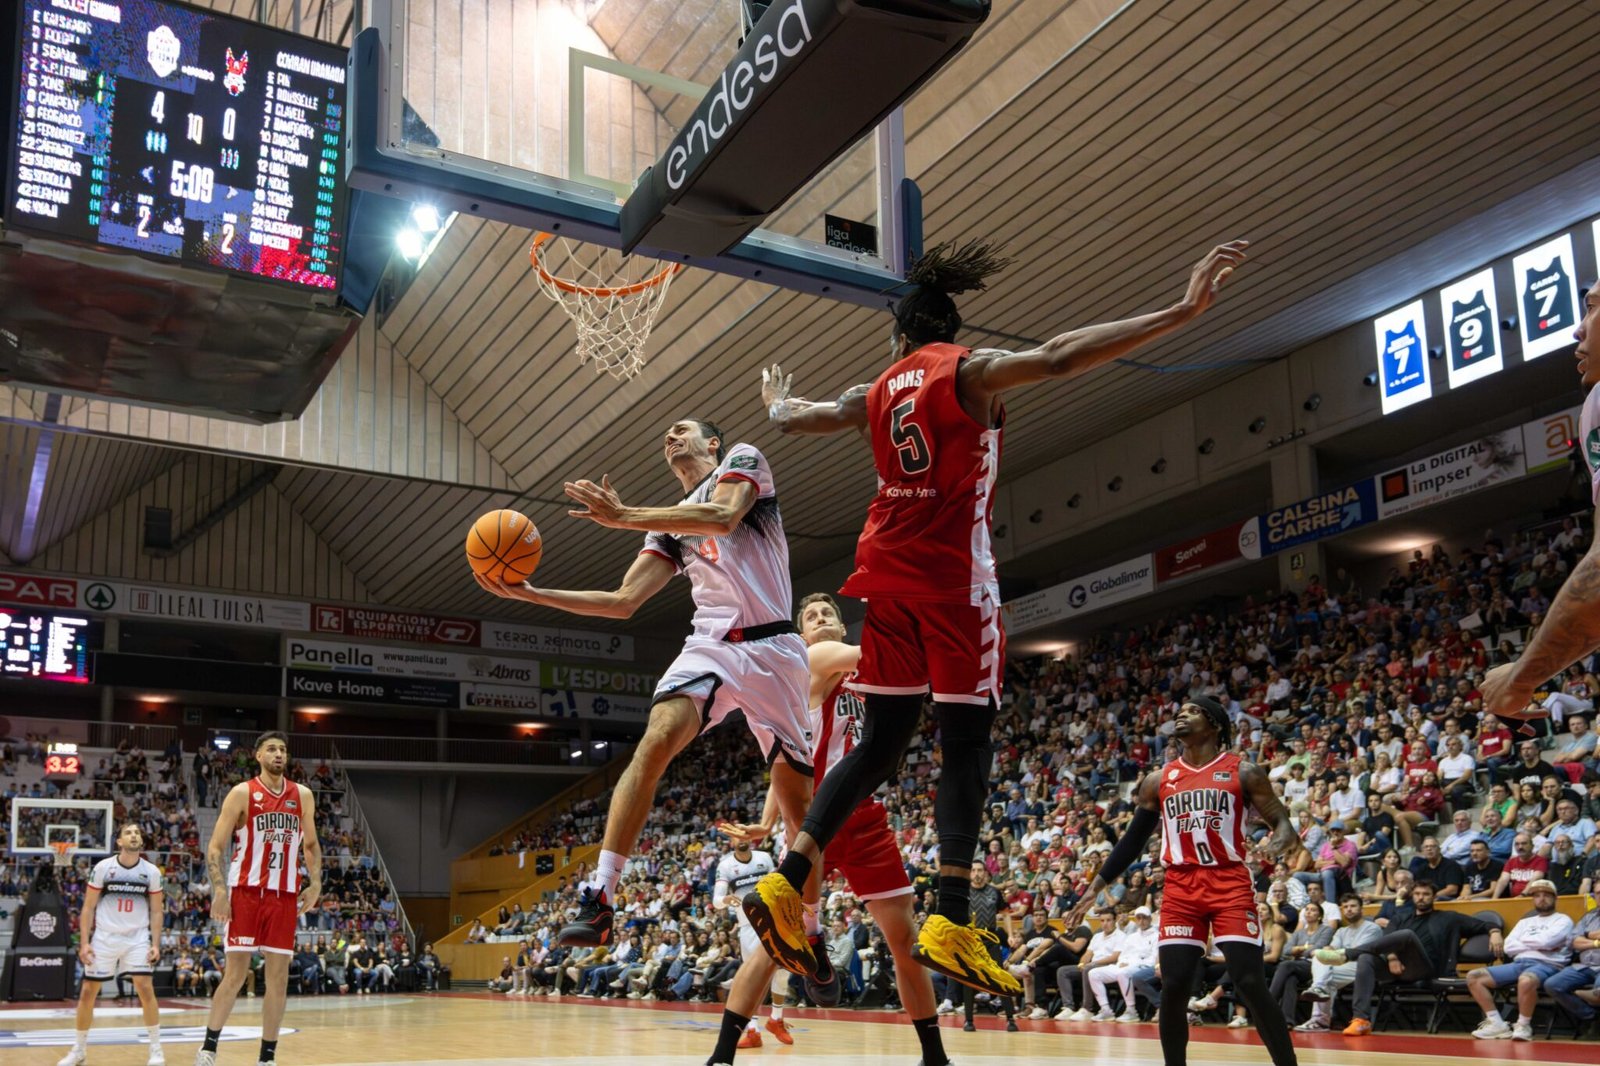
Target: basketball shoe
x=205 y=1058
x=960 y=952
x=749 y=1039
x=780 y=1030
x=76 y=1057
x=823 y=987
x=775 y=913
x=592 y=928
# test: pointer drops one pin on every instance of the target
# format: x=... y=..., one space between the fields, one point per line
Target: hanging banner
x=1199 y=553
x=1454 y=472
x=1311 y=519
x=1471 y=329
x=1092 y=591
x=305 y=654
x=1547 y=297
x=565 y=703
x=1547 y=442
x=596 y=679
x=369 y=688
x=374 y=623
x=1402 y=348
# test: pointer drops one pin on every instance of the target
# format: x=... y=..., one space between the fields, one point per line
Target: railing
x=354 y=811
x=151 y=738
x=307 y=746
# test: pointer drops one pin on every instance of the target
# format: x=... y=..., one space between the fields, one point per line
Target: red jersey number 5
x=909 y=442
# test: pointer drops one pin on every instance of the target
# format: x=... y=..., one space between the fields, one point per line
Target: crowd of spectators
x=1362 y=705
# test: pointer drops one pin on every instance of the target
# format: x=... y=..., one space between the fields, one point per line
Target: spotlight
x=1258 y=425
x=1436 y=352
x=599 y=745
x=1076 y=500
x=1115 y=484
x=1208 y=445
x=410 y=243
x=1313 y=401
x=426 y=217
x=1508 y=323
x=1000 y=531
x=1371 y=379
x=1036 y=517
x=1159 y=466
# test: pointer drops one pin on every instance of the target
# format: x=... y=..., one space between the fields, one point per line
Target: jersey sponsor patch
x=1222 y=775
x=743 y=462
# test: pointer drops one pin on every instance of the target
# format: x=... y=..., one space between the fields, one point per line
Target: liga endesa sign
x=1199 y=553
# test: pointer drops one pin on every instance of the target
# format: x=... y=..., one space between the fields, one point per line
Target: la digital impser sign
x=182 y=134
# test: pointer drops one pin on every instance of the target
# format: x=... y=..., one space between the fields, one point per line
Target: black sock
x=955 y=898
x=795 y=868
x=728 y=1040
x=932 y=1043
x=210 y=1042
x=269 y=1051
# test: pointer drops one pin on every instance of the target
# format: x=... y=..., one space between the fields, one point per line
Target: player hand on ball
x=1507 y=697
x=1210 y=273
x=603 y=505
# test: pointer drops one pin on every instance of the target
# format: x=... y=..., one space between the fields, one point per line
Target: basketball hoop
x=63 y=850
x=611 y=299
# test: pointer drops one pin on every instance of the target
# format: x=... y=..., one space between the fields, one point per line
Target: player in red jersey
x=1199 y=800
x=273 y=822
x=864 y=851
x=926 y=568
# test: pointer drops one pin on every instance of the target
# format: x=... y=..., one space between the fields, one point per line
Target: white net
x=612 y=299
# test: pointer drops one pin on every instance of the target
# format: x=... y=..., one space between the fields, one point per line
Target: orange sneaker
x=778 y=1029
x=751 y=1038
x=1358 y=1027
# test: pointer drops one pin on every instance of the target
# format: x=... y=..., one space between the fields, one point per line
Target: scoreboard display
x=180 y=133
x=62 y=762
x=42 y=646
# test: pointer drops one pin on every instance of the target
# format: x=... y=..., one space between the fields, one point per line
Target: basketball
x=504 y=544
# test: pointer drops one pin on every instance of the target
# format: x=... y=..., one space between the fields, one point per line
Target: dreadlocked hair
x=927 y=314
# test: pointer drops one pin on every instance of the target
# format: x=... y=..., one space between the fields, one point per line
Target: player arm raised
x=228 y=819
x=647 y=576
x=1127 y=848
x=989 y=372
x=791 y=414
x=730 y=501
x=1258 y=789
x=91 y=900
x=1570 y=631
x=311 y=848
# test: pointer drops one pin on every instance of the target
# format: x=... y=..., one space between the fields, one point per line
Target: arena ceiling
x=1107 y=146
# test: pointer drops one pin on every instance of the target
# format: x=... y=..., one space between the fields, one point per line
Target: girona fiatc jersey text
x=266 y=848
x=1202 y=813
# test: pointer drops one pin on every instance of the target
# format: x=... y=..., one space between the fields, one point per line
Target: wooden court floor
x=452 y=1028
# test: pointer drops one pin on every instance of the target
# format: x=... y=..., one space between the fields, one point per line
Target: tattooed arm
x=228 y=819
x=1570 y=631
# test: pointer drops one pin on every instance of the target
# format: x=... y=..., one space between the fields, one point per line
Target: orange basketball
x=504 y=544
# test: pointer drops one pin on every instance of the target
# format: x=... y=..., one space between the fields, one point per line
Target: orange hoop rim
x=61 y=847
x=601 y=292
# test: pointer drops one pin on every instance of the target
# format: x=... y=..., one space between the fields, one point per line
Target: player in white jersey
x=864 y=850
x=119 y=932
x=726 y=536
x=737 y=873
x=272 y=822
x=1571 y=628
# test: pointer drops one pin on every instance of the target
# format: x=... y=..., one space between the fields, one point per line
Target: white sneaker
x=1492 y=1029
x=946 y=1008
x=1082 y=1014
x=1203 y=1004
x=1128 y=1016
x=1238 y=1021
x=1105 y=1015
x=205 y=1058
x=157 y=1056
x=1314 y=1024
x=1522 y=1031
x=76 y=1057
x=1038 y=1014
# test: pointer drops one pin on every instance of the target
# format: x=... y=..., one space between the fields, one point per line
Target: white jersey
x=742 y=579
x=740 y=877
x=124 y=908
x=839 y=721
x=1589 y=441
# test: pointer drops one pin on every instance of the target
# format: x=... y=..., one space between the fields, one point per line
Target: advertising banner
x=1324 y=515
x=1198 y=553
x=374 y=623
x=601 y=679
x=1454 y=472
x=1102 y=588
x=1547 y=442
x=568 y=643
x=566 y=703
x=305 y=654
x=370 y=688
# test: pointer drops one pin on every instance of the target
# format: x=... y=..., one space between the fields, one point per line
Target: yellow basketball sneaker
x=960 y=952
x=773 y=907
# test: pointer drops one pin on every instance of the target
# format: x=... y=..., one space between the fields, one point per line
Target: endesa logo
x=758 y=61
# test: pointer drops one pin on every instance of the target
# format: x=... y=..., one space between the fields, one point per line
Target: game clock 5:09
x=181 y=133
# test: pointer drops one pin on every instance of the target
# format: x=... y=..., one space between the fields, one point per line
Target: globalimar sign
x=1090 y=592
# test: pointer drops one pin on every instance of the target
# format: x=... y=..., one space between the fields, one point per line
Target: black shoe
x=1011 y=1025
x=823 y=987
x=593 y=926
x=968 y=1027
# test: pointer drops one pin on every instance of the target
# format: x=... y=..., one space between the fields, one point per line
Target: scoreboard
x=180 y=133
x=42 y=646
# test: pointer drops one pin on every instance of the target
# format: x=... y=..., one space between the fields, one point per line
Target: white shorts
x=749 y=944
x=118 y=953
x=770 y=680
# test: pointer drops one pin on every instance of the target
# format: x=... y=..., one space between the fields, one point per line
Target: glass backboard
x=38 y=824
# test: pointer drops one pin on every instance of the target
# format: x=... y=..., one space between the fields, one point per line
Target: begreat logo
x=757 y=61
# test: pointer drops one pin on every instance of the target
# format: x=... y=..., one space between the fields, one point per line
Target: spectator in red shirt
x=1419 y=762
x=1522 y=869
x=1494 y=744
